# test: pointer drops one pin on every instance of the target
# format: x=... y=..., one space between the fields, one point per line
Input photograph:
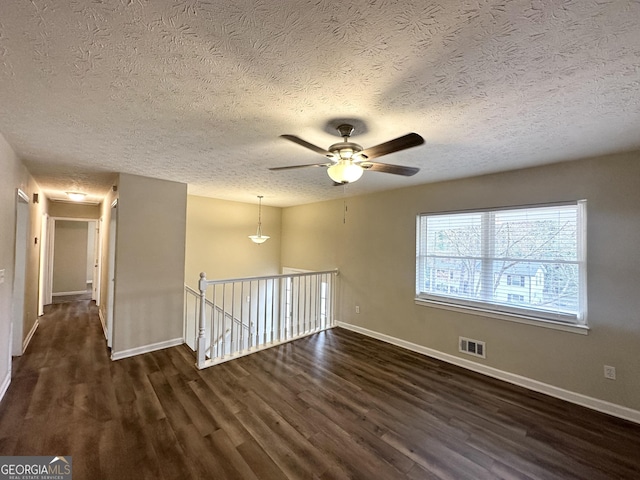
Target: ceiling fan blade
x=308 y=145
x=291 y=167
x=401 y=143
x=388 y=168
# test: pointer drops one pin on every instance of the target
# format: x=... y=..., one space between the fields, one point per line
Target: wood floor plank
x=278 y=451
x=85 y=450
x=174 y=461
x=136 y=442
x=199 y=416
x=233 y=462
x=280 y=430
x=260 y=463
x=332 y=405
x=223 y=416
x=174 y=410
x=285 y=401
x=360 y=452
x=115 y=461
x=204 y=462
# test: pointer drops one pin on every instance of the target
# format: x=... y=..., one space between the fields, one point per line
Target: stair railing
x=239 y=316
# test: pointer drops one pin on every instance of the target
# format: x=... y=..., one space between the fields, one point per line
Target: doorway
x=19 y=272
x=44 y=295
x=72 y=274
x=69 y=260
x=111 y=271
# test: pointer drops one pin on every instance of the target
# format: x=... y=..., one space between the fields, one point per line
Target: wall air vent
x=472 y=347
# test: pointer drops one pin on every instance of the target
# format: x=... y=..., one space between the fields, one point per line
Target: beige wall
x=313 y=234
x=14 y=175
x=74 y=210
x=11 y=178
x=70 y=256
x=218 y=244
x=150 y=252
x=375 y=251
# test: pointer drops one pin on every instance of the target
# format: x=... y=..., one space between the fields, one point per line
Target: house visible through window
x=527 y=261
x=515 y=298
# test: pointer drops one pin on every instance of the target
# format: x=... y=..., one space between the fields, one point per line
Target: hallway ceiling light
x=259 y=237
x=76 y=196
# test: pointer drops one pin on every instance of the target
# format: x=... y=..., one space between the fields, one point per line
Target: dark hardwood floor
x=334 y=405
x=72 y=298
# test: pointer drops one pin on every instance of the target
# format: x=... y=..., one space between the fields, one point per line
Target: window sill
x=579 y=329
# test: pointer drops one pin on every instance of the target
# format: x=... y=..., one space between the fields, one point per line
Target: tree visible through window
x=527 y=260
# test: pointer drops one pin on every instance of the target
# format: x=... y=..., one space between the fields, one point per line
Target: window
x=515 y=280
x=523 y=261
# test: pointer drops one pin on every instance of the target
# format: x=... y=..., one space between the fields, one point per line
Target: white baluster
x=202 y=341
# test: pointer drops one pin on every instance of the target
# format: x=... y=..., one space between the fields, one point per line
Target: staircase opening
x=230 y=318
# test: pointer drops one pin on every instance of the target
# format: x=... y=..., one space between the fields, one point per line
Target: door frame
x=50 y=249
x=19 y=273
x=97 y=265
x=44 y=296
x=111 y=271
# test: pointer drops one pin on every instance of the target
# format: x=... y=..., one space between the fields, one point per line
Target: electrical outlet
x=609 y=372
x=2 y=276
x=357 y=308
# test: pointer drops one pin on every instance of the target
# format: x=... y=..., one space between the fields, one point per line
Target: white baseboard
x=62 y=294
x=103 y=323
x=26 y=341
x=146 y=349
x=4 y=386
x=553 y=391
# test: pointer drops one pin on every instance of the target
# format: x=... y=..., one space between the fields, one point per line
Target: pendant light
x=259 y=237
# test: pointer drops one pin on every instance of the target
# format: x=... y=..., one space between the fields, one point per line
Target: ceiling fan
x=347 y=160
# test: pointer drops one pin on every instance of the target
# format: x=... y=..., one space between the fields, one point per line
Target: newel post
x=202 y=341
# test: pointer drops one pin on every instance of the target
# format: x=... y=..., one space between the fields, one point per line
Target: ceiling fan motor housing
x=344 y=150
x=345 y=130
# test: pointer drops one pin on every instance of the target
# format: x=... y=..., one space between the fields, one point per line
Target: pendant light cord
x=259 y=215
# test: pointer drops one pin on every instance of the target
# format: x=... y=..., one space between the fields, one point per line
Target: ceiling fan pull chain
x=344 y=203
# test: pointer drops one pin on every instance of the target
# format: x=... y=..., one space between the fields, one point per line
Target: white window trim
x=581 y=327
x=511 y=317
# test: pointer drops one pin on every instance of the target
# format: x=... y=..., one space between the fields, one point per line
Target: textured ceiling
x=198 y=91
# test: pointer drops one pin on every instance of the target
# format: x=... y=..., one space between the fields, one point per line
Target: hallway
x=63 y=399
x=333 y=405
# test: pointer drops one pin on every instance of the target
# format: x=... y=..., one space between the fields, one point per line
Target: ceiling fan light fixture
x=259 y=238
x=345 y=171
